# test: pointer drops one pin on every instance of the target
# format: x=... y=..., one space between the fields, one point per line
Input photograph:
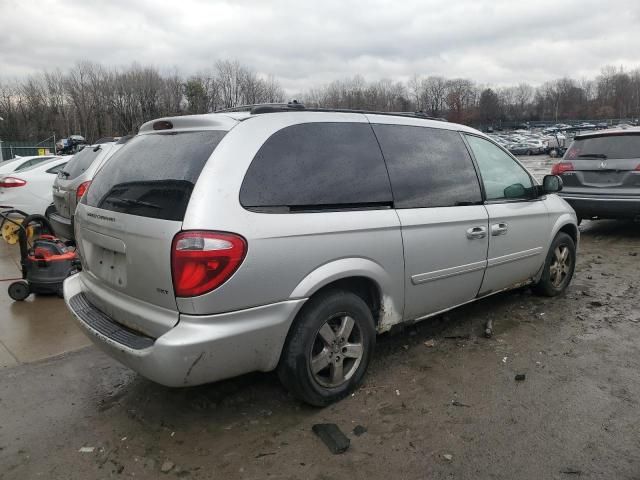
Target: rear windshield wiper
x=131 y=201
x=593 y=155
x=64 y=174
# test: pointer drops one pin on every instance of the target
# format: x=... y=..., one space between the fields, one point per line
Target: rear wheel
x=19 y=291
x=558 y=267
x=329 y=348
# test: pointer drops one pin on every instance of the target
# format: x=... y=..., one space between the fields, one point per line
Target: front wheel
x=558 y=267
x=329 y=348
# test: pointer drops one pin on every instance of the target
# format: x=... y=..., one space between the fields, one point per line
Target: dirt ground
x=451 y=410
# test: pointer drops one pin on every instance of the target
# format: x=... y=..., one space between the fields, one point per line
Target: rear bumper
x=62 y=226
x=199 y=349
x=602 y=206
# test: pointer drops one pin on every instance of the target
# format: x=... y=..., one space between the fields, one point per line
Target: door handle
x=476 y=232
x=499 y=229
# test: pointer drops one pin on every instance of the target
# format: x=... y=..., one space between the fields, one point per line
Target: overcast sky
x=308 y=43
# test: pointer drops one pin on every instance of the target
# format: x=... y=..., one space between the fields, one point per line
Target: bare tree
x=94 y=101
x=436 y=92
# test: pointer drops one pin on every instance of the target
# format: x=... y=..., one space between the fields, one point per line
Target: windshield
x=609 y=147
x=153 y=175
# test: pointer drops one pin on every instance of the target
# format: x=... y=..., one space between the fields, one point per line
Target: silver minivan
x=72 y=182
x=286 y=238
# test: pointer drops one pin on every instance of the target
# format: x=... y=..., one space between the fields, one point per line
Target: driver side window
x=503 y=177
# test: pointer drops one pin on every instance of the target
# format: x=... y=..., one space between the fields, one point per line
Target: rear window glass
x=318 y=166
x=613 y=146
x=153 y=175
x=428 y=167
x=57 y=168
x=80 y=162
x=32 y=162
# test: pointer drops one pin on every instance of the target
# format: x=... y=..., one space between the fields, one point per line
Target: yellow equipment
x=10 y=231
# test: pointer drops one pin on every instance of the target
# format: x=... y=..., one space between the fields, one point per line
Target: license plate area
x=603 y=178
x=106 y=264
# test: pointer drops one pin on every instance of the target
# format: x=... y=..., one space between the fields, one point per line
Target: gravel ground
x=440 y=401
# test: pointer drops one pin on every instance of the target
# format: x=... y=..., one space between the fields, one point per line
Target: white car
x=22 y=163
x=30 y=190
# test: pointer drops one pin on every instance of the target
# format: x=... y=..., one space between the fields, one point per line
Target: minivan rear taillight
x=202 y=261
x=11 y=182
x=82 y=189
x=561 y=167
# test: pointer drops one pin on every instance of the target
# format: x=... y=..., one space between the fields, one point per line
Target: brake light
x=11 y=182
x=638 y=167
x=561 y=167
x=202 y=261
x=82 y=189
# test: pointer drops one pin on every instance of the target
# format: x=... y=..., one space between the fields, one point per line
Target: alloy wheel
x=337 y=351
x=560 y=266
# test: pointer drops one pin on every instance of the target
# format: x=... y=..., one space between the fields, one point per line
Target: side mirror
x=516 y=190
x=551 y=184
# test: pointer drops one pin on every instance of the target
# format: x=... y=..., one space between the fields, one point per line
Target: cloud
x=308 y=43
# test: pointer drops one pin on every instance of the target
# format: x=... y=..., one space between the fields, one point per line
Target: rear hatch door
x=126 y=222
x=68 y=180
x=604 y=165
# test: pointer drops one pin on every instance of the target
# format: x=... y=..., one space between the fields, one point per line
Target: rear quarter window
x=153 y=175
x=317 y=166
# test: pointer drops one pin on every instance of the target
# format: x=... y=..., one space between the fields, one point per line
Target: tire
x=309 y=339
x=19 y=290
x=550 y=285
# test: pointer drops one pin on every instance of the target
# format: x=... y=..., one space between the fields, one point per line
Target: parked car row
x=552 y=140
x=524 y=142
x=51 y=185
x=585 y=126
x=25 y=182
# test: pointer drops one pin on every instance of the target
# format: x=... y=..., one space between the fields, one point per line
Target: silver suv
x=72 y=182
x=286 y=238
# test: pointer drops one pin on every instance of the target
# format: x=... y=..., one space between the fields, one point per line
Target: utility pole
x=1 y=157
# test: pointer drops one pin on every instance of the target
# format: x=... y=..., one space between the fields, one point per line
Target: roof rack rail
x=296 y=106
x=267 y=107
